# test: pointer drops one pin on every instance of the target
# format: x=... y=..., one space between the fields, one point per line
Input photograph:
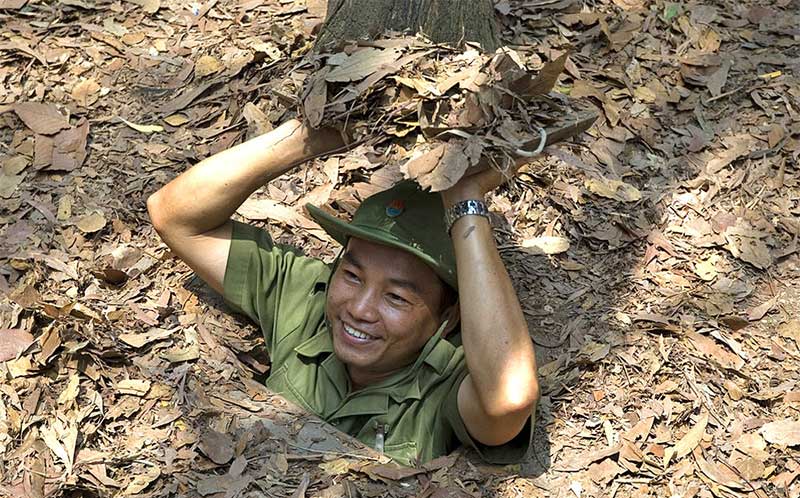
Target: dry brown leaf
x=12 y=4
x=359 y=64
x=720 y=474
x=70 y=391
x=92 y=222
x=217 y=446
x=707 y=269
x=775 y=135
x=751 y=250
x=449 y=170
x=138 y=340
x=318 y=196
x=51 y=440
x=178 y=355
x=267 y=209
x=714 y=352
x=86 y=92
x=15 y=165
x=391 y=471
x=758 y=312
x=336 y=467
x=544 y=81
x=784 y=432
x=717 y=80
x=64 y=207
x=13 y=342
x=149 y=6
x=206 y=65
x=43 y=119
x=69 y=148
x=790 y=330
x=135 y=387
x=423 y=163
x=604 y=472
x=545 y=244
x=689 y=441
x=257 y=122
x=9 y=184
x=176 y=120
x=142 y=481
x=613 y=189
x=314 y=102
x=143 y=128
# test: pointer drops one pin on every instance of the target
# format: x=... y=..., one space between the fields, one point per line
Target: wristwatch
x=464 y=208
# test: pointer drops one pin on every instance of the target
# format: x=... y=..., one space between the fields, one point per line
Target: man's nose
x=363 y=305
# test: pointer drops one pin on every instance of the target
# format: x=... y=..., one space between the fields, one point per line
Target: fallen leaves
x=92 y=222
x=143 y=128
x=134 y=387
x=13 y=342
x=668 y=296
x=217 y=446
x=137 y=340
x=86 y=92
x=207 y=65
x=546 y=244
x=613 y=189
x=42 y=118
x=141 y=481
x=689 y=441
x=359 y=64
x=784 y=432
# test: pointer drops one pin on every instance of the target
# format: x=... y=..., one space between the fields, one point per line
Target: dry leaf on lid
x=359 y=64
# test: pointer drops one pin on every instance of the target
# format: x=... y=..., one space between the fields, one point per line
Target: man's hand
x=483 y=181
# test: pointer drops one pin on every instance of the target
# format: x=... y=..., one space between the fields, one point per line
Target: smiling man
x=413 y=341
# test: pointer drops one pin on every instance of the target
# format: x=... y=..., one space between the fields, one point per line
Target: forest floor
x=667 y=332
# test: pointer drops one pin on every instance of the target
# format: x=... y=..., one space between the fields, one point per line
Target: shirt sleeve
x=511 y=452
x=271 y=284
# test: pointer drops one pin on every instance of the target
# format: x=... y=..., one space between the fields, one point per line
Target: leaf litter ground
x=655 y=255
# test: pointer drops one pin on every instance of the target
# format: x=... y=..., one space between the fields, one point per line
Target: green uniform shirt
x=284 y=292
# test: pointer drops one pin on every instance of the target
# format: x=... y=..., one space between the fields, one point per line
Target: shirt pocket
x=280 y=382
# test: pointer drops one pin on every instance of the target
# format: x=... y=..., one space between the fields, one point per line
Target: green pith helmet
x=404 y=217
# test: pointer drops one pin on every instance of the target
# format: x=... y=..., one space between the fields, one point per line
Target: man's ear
x=453 y=316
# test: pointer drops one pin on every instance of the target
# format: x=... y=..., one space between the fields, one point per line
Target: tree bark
x=443 y=21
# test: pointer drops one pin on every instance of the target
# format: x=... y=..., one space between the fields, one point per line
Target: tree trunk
x=443 y=21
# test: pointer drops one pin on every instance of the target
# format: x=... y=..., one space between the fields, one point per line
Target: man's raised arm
x=501 y=390
x=192 y=212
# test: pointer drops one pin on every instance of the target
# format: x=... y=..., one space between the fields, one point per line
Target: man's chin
x=346 y=354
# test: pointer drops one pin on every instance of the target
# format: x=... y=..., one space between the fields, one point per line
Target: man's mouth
x=362 y=336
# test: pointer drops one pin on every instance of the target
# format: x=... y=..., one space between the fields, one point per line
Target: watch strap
x=464 y=208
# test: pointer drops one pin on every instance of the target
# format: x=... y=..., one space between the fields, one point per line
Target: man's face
x=383 y=306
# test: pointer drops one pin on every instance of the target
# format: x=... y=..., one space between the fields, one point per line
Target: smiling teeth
x=355 y=333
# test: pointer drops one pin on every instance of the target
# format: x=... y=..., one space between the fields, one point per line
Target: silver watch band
x=464 y=208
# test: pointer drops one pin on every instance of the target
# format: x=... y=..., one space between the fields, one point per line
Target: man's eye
x=396 y=299
x=351 y=276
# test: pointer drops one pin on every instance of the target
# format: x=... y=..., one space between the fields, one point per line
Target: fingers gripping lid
x=403 y=216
